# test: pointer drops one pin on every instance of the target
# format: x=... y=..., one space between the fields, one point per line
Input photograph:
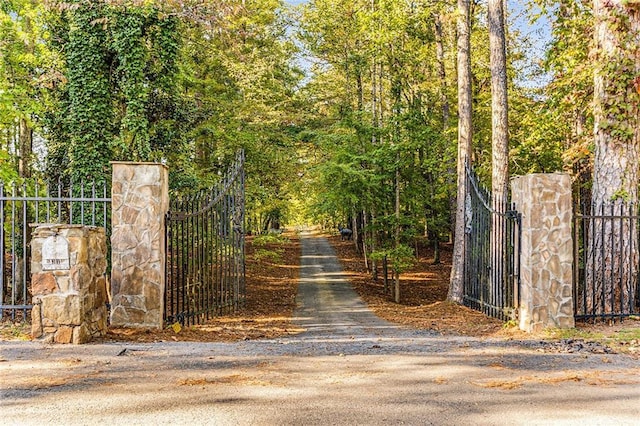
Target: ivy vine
x=132 y=55
x=89 y=87
x=618 y=70
x=116 y=57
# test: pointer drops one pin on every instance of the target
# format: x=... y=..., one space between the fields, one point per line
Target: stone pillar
x=140 y=200
x=68 y=286
x=546 y=292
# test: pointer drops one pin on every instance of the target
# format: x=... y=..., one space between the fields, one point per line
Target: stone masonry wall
x=139 y=203
x=546 y=294
x=68 y=287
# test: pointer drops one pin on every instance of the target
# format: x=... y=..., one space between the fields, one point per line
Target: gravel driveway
x=349 y=367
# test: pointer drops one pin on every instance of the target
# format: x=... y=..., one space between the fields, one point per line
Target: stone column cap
x=62 y=226
x=529 y=175
x=140 y=163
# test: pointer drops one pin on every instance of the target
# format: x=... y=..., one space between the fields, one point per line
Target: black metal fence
x=606 y=261
x=33 y=202
x=492 y=254
x=205 y=251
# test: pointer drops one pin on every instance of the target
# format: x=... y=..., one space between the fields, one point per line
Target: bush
x=274 y=256
x=266 y=239
x=400 y=258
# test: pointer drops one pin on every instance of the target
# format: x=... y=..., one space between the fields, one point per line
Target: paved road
x=348 y=368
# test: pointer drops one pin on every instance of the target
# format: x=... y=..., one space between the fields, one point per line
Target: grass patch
x=601 y=334
x=274 y=256
x=572 y=333
x=628 y=334
x=623 y=338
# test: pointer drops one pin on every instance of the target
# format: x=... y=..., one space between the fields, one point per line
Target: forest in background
x=347 y=109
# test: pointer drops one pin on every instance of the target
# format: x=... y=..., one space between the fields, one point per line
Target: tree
x=499 y=106
x=465 y=129
x=23 y=67
x=119 y=96
x=499 y=146
x=613 y=247
x=558 y=126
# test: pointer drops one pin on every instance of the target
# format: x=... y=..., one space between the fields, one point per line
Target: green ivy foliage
x=132 y=55
x=121 y=87
x=89 y=86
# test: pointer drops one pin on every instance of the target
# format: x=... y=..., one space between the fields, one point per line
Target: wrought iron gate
x=33 y=202
x=492 y=254
x=205 y=251
x=606 y=270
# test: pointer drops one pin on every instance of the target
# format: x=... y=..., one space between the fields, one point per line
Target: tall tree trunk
x=25 y=135
x=359 y=87
x=442 y=72
x=499 y=148
x=365 y=250
x=374 y=245
x=613 y=250
x=385 y=272
x=397 y=231
x=374 y=87
x=374 y=140
x=355 y=230
x=456 y=284
x=444 y=100
x=25 y=138
x=499 y=104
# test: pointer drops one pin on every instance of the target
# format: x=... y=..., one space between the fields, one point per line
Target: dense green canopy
x=346 y=108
